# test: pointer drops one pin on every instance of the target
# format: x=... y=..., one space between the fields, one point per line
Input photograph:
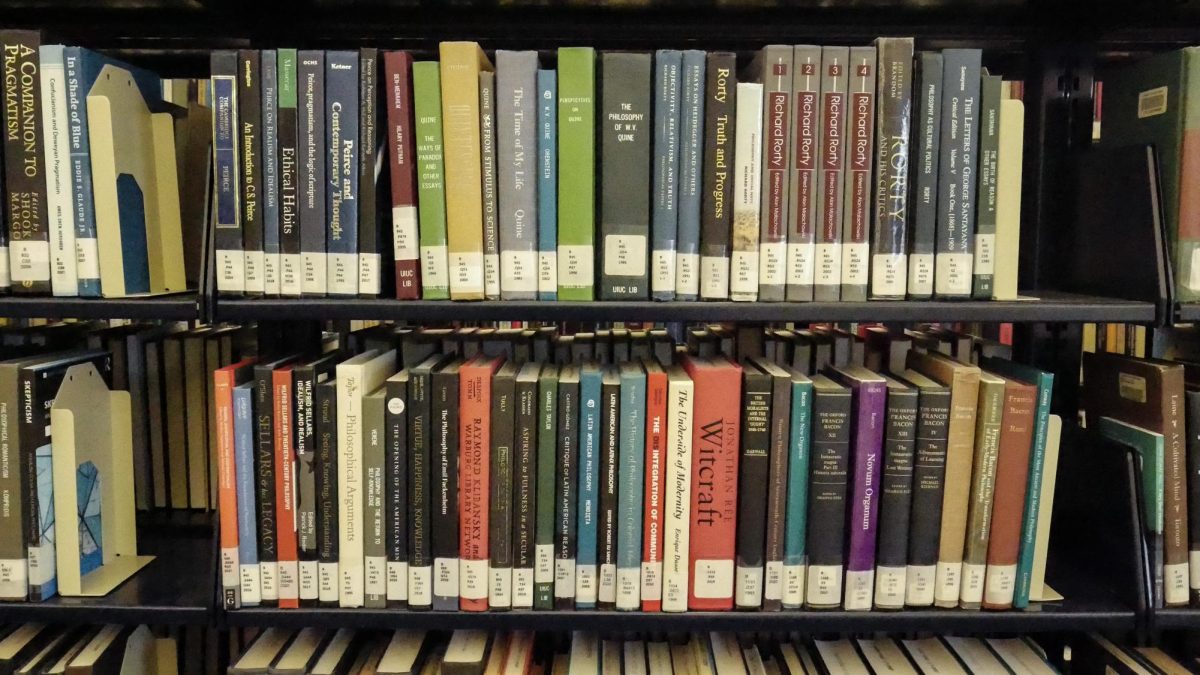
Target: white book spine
x=793 y=585
x=585 y=584
x=747 y=162
x=255 y=276
x=308 y=580
x=313 y=266
x=327 y=582
x=749 y=593
x=890 y=587
x=860 y=587
x=289 y=580
x=271 y=273
x=607 y=591
x=420 y=586
x=466 y=273
x=629 y=586
x=522 y=581
x=564 y=579
x=268 y=574
x=230 y=573
x=251 y=583
x=59 y=206
x=368 y=274
x=1001 y=585
x=375 y=577
x=397 y=581
x=405 y=242
x=343 y=273
x=919 y=585
x=350 y=485
x=677 y=521
x=652 y=573
x=971 y=587
x=824 y=586
x=947 y=584
x=445 y=578
x=435 y=269
x=289 y=275
x=500 y=587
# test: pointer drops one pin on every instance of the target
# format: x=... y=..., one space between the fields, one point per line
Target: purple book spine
x=869 y=415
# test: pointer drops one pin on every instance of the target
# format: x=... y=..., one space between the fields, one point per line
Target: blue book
x=665 y=216
x=341 y=166
x=547 y=84
x=691 y=163
x=632 y=451
x=590 y=381
x=794 y=556
x=270 y=175
x=1037 y=460
x=243 y=451
x=82 y=68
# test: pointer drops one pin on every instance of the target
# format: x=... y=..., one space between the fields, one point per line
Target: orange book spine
x=285 y=493
x=474 y=463
x=226 y=486
x=715 y=442
x=652 y=532
x=1008 y=501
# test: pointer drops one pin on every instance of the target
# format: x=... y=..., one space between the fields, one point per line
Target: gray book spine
x=959 y=157
x=989 y=150
x=624 y=175
x=893 y=97
x=487 y=144
x=860 y=154
x=667 y=66
x=925 y=155
x=311 y=152
x=831 y=174
x=775 y=73
x=802 y=192
x=691 y=163
x=516 y=145
x=374 y=463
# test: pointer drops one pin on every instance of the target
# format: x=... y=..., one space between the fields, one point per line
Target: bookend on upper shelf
x=93 y=485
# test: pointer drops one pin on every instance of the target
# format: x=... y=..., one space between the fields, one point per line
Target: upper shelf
x=178 y=307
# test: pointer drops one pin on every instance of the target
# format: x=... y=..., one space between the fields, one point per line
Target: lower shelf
x=1176 y=618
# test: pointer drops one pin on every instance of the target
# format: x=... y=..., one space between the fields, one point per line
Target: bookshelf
x=177 y=307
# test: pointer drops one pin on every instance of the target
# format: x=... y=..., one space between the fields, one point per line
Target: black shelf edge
x=1188 y=312
x=180 y=307
x=1040 y=307
x=1175 y=618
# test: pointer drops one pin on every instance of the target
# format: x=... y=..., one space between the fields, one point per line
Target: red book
x=397 y=69
x=474 y=462
x=224 y=380
x=652 y=532
x=1008 y=500
x=285 y=492
x=716 y=418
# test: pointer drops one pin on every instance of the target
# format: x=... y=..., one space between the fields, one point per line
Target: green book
x=431 y=183
x=547 y=415
x=1150 y=447
x=985 y=217
x=988 y=420
x=576 y=172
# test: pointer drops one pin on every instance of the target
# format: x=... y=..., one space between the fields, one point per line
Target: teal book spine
x=794 y=555
x=589 y=489
x=629 y=486
x=547 y=187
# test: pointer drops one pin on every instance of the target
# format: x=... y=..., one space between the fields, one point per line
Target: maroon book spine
x=402 y=155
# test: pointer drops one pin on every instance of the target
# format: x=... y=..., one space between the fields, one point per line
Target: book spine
x=933 y=415
x=926 y=152
x=325 y=402
x=460 y=68
x=304 y=381
x=396 y=490
x=654 y=493
x=691 y=182
x=24 y=166
x=265 y=481
x=590 y=399
x=1012 y=472
x=895 y=500
x=678 y=489
x=499 y=550
x=776 y=153
x=632 y=431
x=444 y=539
x=290 y=270
x=576 y=175
x=777 y=486
x=525 y=517
x=985 y=216
x=860 y=152
x=754 y=467
x=487 y=158
x=667 y=65
x=63 y=278
x=625 y=138
x=1183 y=217
x=269 y=153
x=227 y=238
x=341 y=172
x=374 y=464
x=420 y=509
x=960 y=444
x=956 y=173
x=988 y=422
x=14 y=582
x=1033 y=493
x=402 y=156
x=831 y=175
x=87 y=254
x=565 y=541
x=350 y=484
x=720 y=121
x=802 y=193
x=516 y=138
x=747 y=159
x=547 y=429
x=1175 y=532
x=715 y=440
x=547 y=185
x=312 y=149
x=869 y=416
x=893 y=109
x=431 y=183
x=250 y=138
x=474 y=462
x=227 y=479
x=285 y=483
x=1008 y=199
x=795 y=560
x=370 y=153
x=608 y=476
x=827 y=499
x=249 y=576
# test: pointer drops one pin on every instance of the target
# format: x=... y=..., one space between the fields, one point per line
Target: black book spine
x=925 y=521
x=226 y=138
x=24 y=164
x=444 y=524
x=311 y=160
x=250 y=117
x=606 y=524
x=564 y=493
x=524 y=495
x=325 y=401
x=891 y=556
x=781 y=424
x=420 y=560
x=500 y=488
x=395 y=491
x=1193 y=460
x=715 y=218
x=289 y=178
x=754 y=468
x=827 y=494
x=303 y=381
x=370 y=160
x=924 y=154
x=264 y=476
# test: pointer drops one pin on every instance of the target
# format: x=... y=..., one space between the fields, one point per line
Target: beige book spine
x=1008 y=199
x=988 y=420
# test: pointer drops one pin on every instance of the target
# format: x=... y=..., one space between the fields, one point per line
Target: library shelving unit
x=1097 y=558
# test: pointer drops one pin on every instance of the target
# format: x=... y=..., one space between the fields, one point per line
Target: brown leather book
x=1008 y=502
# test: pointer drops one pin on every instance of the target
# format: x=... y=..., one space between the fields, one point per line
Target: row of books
x=472 y=652
x=810 y=173
x=95 y=649
x=566 y=472
x=94 y=154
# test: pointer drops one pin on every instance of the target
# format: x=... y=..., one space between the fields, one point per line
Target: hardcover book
x=989 y=418
x=795 y=560
x=311 y=157
x=829 y=470
x=475 y=405
x=25 y=178
x=265 y=470
x=831 y=175
x=517 y=169
x=860 y=146
x=632 y=427
x=586 y=554
x=290 y=271
x=927 y=133
x=227 y=238
x=487 y=161
x=667 y=66
x=372 y=145
x=225 y=380
x=893 y=143
x=607 y=478
x=431 y=182
x=1012 y=477
x=307 y=377
x=326 y=485
x=342 y=148
x=402 y=170
x=283 y=399
x=499 y=488
x=654 y=489
x=989 y=151
x=545 y=504
x=524 y=487
x=772 y=67
x=566 y=486
x=802 y=194
x=547 y=184
x=270 y=171
x=677 y=519
x=957 y=167
x=576 y=172
x=747 y=161
x=444 y=540
x=250 y=148
x=395 y=487
x=895 y=501
x=754 y=465
x=720 y=111
x=421 y=424
x=249 y=579
x=691 y=179
x=59 y=208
